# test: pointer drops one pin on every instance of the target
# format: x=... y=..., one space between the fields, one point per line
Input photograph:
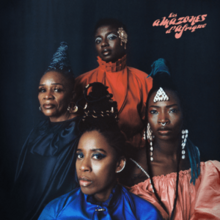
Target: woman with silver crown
x=128 y=85
x=46 y=166
x=169 y=173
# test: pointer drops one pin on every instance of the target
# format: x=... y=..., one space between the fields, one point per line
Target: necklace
x=152 y=183
x=154 y=190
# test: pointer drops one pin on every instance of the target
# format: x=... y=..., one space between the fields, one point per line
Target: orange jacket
x=130 y=88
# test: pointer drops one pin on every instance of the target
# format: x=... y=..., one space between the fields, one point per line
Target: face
x=168 y=112
x=96 y=165
x=54 y=96
x=107 y=44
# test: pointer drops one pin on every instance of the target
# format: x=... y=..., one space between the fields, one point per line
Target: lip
x=106 y=52
x=48 y=106
x=164 y=130
x=85 y=182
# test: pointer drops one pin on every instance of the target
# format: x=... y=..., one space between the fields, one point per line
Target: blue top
x=45 y=169
x=120 y=205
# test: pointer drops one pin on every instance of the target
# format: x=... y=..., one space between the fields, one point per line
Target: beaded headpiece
x=123 y=36
x=160 y=95
x=95 y=99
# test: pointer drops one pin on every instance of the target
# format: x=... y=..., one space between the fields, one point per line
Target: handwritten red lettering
x=171 y=15
x=181 y=24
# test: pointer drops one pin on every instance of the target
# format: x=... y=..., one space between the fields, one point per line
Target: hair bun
x=99 y=107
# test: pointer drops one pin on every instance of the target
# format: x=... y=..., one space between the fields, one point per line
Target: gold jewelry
x=75 y=109
x=123 y=36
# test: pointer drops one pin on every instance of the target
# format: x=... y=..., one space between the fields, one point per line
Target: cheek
x=179 y=122
x=39 y=97
x=98 y=48
x=77 y=167
x=116 y=46
x=152 y=120
x=62 y=100
x=104 y=171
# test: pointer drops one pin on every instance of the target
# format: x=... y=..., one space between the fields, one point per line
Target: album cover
x=185 y=33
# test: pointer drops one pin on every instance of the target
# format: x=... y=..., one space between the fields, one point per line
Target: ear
x=120 y=165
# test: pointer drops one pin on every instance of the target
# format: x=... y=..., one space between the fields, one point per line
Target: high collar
x=119 y=65
x=110 y=200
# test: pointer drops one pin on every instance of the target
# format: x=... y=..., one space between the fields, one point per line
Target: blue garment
x=121 y=205
x=46 y=168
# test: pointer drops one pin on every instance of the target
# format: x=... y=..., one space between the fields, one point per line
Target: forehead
x=173 y=99
x=53 y=77
x=93 y=140
x=105 y=29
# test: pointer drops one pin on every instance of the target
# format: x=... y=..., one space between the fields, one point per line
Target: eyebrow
x=111 y=32
x=168 y=106
x=93 y=150
x=52 y=84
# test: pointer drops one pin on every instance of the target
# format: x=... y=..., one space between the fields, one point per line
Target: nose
x=163 y=118
x=48 y=95
x=105 y=42
x=85 y=165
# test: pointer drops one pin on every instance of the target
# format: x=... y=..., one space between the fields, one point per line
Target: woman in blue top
x=45 y=168
x=101 y=154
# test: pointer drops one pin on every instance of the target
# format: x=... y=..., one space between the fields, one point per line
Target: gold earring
x=75 y=109
x=123 y=36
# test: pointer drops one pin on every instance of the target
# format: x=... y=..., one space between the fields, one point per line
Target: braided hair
x=60 y=63
x=101 y=114
x=162 y=78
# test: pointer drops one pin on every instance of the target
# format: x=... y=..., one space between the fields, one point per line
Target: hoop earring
x=75 y=109
x=68 y=108
x=40 y=109
x=122 y=167
x=183 y=144
x=150 y=138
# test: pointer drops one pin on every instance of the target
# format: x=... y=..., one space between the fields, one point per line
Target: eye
x=79 y=155
x=153 y=112
x=57 y=89
x=112 y=36
x=98 y=40
x=98 y=156
x=41 y=89
x=173 y=110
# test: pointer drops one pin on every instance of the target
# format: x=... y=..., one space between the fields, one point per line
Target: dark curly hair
x=101 y=114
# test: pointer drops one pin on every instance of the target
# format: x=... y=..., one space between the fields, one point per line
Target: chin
x=47 y=114
x=87 y=191
x=50 y=114
x=106 y=59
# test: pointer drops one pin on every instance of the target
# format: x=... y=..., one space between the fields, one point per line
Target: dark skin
x=167 y=140
x=55 y=94
x=108 y=44
x=96 y=165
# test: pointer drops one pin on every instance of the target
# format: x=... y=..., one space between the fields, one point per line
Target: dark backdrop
x=31 y=32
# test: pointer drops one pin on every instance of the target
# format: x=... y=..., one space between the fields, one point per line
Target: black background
x=31 y=31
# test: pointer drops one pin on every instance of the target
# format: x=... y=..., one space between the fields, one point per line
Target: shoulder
x=86 y=75
x=53 y=209
x=138 y=73
x=140 y=76
x=142 y=208
x=210 y=168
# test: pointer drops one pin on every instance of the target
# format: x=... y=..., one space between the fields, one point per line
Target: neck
x=104 y=195
x=65 y=117
x=168 y=149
